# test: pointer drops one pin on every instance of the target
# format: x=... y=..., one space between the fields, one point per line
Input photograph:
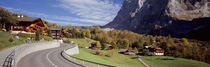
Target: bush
x=98 y=52
x=65 y=40
x=26 y=35
x=47 y=38
x=145 y=52
x=109 y=53
x=11 y=39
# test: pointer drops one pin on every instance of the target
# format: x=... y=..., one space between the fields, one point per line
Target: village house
x=155 y=50
x=127 y=52
x=56 y=33
x=158 y=51
x=28 y=25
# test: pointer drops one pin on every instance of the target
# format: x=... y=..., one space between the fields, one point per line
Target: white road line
x=47 y=56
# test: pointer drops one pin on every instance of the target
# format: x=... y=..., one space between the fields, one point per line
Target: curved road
x=47 y=58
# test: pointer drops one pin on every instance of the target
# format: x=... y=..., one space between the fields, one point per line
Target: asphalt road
x=47 y=58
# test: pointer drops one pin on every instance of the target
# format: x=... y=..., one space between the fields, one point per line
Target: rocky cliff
x=162 y=17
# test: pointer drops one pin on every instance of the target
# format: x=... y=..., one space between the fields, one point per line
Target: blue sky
x=65 y=12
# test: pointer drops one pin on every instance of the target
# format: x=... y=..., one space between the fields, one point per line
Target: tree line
x=123 y=39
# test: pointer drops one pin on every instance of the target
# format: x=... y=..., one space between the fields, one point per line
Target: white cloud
x=103 y=10
x=66 y=18
x=68 y=23
x=86 y=12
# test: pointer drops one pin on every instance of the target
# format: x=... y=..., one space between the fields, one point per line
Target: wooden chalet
x=29 y=25
x=56 y=33
x=158 y=51
x=155 y=50
x=127 y=52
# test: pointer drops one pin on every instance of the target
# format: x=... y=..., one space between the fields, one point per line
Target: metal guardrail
x=9 y=60
x=87 y=60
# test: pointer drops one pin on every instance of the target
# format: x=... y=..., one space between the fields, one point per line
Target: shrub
x=26 y=35
x=48 y=38
x=145 y=52
x=136 y=50
x=65 y=40
x=98 y=52
x=109 y=53
x=11 y=39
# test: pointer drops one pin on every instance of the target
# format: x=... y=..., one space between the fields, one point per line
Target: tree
x=114 y=45
x=88 y=34
x=98 y=44
x=136 y=50
x=123 y=43
x=6 y=17
x=166 y=47
x=184 y=52
x=96 y=29
x=196 y=51
x=49 y=33
x=37 y=35
x=140 y=44
x=185 y=41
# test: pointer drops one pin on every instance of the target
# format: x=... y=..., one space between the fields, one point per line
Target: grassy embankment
x=116 y=59
x=164 y=61
x=131 y=61
x=4 y=40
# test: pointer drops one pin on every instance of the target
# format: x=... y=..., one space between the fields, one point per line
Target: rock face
x=162 y=17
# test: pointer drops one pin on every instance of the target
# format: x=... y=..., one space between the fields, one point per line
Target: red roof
x=159 y=50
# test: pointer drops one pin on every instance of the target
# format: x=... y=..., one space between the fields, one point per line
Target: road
x=47 y=58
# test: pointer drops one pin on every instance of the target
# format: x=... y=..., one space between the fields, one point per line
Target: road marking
x=47 y=56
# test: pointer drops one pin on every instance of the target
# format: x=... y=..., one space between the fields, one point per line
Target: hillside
x=162 y=17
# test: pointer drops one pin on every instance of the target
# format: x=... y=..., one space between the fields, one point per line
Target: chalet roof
x=27 y=19
x=159 y=50
x=123 y=50
x=55 y=28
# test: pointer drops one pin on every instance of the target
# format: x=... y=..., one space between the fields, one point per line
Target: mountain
x=162 y=17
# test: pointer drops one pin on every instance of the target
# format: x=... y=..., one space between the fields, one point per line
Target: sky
x=67 y=12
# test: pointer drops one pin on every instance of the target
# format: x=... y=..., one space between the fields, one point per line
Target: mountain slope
x=162 y=17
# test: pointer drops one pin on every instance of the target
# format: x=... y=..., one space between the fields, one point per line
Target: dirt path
x=145 y=64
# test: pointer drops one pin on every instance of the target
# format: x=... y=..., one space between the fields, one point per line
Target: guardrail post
x=83 y=62
x=98 y=65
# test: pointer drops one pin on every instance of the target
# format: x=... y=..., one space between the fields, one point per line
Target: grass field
x=4 y=41
x=131 y=61
x=116 y=59
x=81 y=42
x=164 y=61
